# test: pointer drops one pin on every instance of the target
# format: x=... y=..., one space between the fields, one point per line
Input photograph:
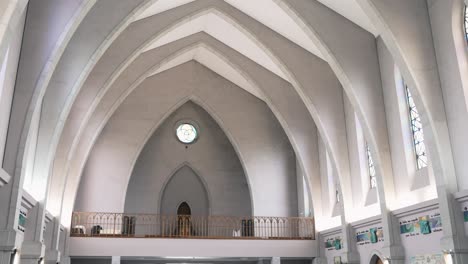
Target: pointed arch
x=376 y=256
x=218 y=120
x=283 y=120
x=307 y=102
x=168 y=178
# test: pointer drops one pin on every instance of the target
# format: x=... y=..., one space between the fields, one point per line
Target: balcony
x=119 y=225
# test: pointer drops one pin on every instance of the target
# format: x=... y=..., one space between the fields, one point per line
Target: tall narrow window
x=417 y=131
x=466 y=22
x=337 y=195
x=371 y=167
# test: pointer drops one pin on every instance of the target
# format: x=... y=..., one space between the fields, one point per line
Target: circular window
x=186 y=133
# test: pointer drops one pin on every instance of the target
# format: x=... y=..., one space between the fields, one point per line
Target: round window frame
x=189 y=122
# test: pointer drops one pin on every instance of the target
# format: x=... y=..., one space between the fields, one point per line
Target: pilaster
x=392 y=249
x=454 y=243
x=350 y=255
x=274 y=260
x=115 y=259
x=33 y=248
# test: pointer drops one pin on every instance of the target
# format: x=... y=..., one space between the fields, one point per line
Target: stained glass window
x=337 y=195
x=371 y=167
x=466 y=22
x=417 y=131
x=186 y=133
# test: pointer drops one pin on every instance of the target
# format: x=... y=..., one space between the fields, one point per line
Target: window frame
x=372 y=173
x=465 y=23
x=417 y=131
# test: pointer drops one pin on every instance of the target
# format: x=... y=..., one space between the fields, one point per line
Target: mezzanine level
x=144 y=235
x=92 y=224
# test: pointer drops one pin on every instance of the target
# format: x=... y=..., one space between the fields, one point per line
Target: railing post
x=115 y=219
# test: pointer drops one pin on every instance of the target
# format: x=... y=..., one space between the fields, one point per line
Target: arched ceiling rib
x=218 y=27
x=205 y=56
x=290 y=111
x=317 y=70
x=146 y=105
x=160 y=6
x=275 y=19
x=351 y=10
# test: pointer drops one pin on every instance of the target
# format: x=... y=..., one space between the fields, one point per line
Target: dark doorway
x=376 y=260
x=184 y=209
x=184 y=220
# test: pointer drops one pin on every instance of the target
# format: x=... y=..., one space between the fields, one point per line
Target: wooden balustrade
x=85 y=224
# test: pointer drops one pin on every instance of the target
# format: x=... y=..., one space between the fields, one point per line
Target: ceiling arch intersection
x=303 y=95
x=304 y=142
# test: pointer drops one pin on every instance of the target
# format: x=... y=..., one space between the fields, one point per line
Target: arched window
x=371 y=168
x=417 y=131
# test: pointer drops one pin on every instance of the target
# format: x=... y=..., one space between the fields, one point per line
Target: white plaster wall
x=451 y=53
x=45 y=23
x=192 y=247
x=420 y=245
x=10 y=47
x=287 y=106
x=356 y=154
x=330 y=253
x=62 y=87
x=263 y=147
x=63 y=242
x=185 y=186
x=352 y=54
x=414 y=245
x=220 y=178
x=331 y=214
x=367 y=250
x=332 y=92
x=10 y=54
x=48 y=235
x=400 y=137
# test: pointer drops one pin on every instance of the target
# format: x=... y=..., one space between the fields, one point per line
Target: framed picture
x=337 y=260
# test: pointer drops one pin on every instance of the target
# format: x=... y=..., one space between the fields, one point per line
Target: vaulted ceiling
x=108 y=48
x=302 y=58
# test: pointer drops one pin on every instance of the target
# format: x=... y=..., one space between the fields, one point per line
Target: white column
x=115 y=259
x=33 y=248
x=274 y=260
x=53 y=253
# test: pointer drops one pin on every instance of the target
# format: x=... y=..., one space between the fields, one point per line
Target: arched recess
x=44 y=73
x=405 y=28
x=196 y=195
x=450 y=43
x=337 y=98
x=287 y=106
x=281 y=92
x=34 y=71
x=213 y=158
x=11 y=11
x=226 y=99
x=414 y=54
x=352 y=54
x=376 y=259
